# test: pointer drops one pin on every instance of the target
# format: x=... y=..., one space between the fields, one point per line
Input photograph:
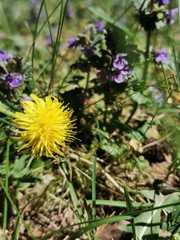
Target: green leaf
x=176 y=65
x=139 y=97
x=148 y=223
x=19 y=168
x=172 y=220
x=112 y=148
x=139 y=3
x=120 y=204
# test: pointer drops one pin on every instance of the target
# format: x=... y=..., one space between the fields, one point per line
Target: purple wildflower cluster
x=11 y=78
x=151 y=18
x=162 y=2
x=108 y=68
x=170 y=15
x=121 y=68
x=120 y=72
x=87 y=47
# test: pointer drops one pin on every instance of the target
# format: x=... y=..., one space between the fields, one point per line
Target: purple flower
x=126 y=71
x=119 y=78
x=48 y=41
x=4 y=56
x=161 y=56
x=120 y=62
x=121 y=68
x=162 y=2
x=12 y=79
x=73 y=42
x=36 y=4
x=100 y=26
x=121 y=75
x=69 y=12
x=158 y=95
x=170 y=15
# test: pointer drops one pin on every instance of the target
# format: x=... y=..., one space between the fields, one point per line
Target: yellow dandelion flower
x=44 y=126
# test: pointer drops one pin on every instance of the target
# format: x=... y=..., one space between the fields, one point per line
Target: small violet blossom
x=170 y=15
x=73 y=42
x=159 y=98
x=4 y=56
x=100 y=26
x=161 y=56
x=12 y=79
x=120 y=62
x=120 y=76
x=48 y=41
x=121 y=68
x=69 y=12
x=162 y=2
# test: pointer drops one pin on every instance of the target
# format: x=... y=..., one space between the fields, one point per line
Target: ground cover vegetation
x=89 y=119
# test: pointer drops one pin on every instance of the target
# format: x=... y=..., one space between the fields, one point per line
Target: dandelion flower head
x=44 y=126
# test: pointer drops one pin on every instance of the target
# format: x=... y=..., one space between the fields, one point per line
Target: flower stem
x=5 y=216
x=146 y=65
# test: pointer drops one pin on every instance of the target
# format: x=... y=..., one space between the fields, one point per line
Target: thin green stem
x=73 y=193
x=132 y=113
x=146 y=65
x=94 y=188
x=49 y=24
x=5 y=215
x=87 y=82
x=165 y=77
x=34 y=42
x=130 y=209
x=56 y=45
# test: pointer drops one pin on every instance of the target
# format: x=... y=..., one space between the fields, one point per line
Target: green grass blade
x=34 y=43
x=120 y=204
x=73 y=193
x=5 y=215
x=99 y=222
x=57 y=41
x=130 y=209
x=94 y=188
x=176 y=65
